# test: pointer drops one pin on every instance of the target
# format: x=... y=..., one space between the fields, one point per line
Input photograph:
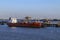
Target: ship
x=26 y=22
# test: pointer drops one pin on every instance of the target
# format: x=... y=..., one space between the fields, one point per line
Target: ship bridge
x=13 y=20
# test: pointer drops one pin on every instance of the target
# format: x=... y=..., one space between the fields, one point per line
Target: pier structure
x=47 y=23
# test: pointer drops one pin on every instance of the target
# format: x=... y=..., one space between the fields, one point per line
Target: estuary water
x=19 y=33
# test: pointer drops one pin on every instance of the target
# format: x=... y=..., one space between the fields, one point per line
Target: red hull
x=33 y=25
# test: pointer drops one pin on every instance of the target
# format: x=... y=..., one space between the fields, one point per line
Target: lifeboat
x=13 y=23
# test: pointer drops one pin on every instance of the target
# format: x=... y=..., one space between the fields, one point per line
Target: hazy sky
x=33 y=8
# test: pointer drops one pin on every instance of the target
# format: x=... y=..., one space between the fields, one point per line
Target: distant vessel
x=25 y=23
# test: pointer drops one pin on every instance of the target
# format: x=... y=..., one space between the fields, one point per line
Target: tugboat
x=25 y=23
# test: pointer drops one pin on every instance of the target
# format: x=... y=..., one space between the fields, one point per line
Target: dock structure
x=50 y=25
x=47 y=23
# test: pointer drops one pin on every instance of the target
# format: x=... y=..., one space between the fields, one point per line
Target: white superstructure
x=13 y=20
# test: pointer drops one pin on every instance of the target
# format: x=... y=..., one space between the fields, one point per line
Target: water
x=48 y=33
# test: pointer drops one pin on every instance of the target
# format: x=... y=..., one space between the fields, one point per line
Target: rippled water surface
x=47 y=33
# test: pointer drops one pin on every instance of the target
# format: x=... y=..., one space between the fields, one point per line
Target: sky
x=33 y=8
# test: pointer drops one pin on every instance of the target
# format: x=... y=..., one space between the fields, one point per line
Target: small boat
x=25 y=23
